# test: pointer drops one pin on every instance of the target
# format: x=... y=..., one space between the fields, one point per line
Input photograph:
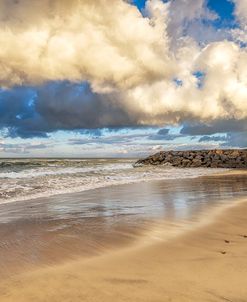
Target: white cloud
x=241 y=10
x=240 y=33
x=126 y=57
x=109 y=45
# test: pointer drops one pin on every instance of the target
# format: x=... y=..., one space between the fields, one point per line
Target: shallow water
x=47 y=230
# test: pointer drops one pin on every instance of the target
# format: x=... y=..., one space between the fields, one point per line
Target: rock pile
x=202 y=158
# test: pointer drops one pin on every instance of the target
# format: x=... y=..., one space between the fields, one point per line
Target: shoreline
x=212 y=173
x=152 y=267
x=196 y=266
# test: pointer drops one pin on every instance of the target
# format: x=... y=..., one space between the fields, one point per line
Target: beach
x=188 y=253
x=123 y=151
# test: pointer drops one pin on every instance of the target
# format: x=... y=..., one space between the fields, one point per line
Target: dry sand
x=206 y=264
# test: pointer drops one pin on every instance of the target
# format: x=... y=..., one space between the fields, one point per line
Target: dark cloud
x=18 y=132
x=33 y=112
x=163 y=131
x=208 y=138
x=28 y=112
x=167 y=137
x=238 y=139
x=74 y=106
x=233 y=139
x=18 y=116
x=220 y=126
x=164 y=135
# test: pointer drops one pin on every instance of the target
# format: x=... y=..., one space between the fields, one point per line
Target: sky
x=83 y=78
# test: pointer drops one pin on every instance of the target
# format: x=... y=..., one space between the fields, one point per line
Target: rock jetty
x=196 y=159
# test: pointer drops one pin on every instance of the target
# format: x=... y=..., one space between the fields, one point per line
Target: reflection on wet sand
x=47 y=230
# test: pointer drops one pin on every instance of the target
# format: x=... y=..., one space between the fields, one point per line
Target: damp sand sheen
x=169 y=238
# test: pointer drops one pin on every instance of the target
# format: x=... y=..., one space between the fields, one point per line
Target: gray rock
x=200 y=158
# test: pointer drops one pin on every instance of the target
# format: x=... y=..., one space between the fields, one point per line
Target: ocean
x=23 y=179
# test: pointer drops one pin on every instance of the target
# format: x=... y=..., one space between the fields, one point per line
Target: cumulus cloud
x=89 y=64
x=108 y=45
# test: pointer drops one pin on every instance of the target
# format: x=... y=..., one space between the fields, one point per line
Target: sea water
x=23 y=179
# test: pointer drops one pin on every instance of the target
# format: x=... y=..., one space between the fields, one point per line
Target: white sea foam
x=24 y=182
x=45 y=171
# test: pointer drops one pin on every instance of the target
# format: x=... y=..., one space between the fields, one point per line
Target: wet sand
x=208 y=264
x=205 y=263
